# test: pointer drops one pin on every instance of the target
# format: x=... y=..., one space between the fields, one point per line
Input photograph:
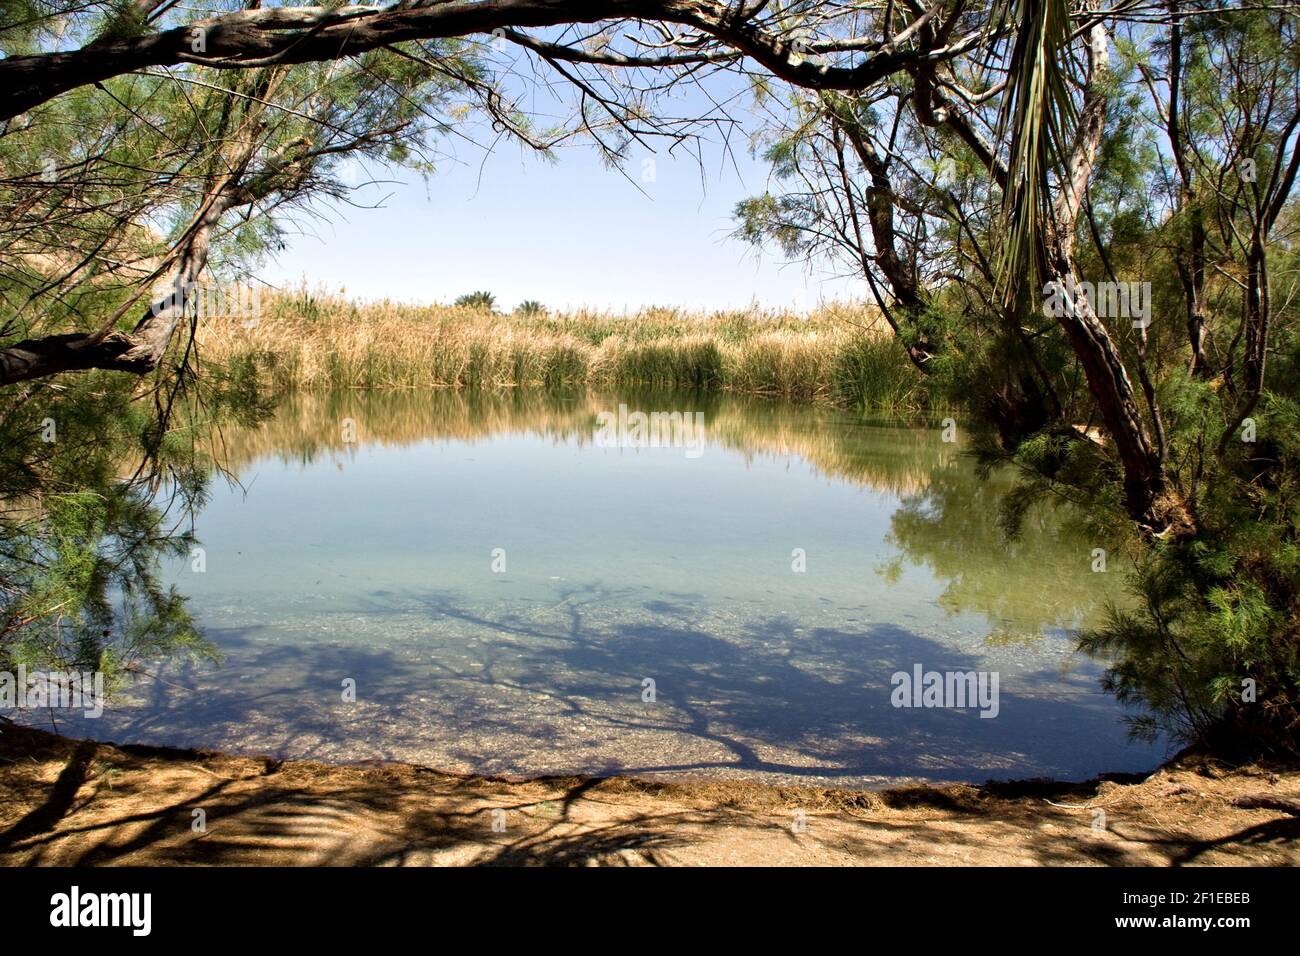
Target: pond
x=524 y=584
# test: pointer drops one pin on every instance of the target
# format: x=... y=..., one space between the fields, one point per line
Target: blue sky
x=569 y=234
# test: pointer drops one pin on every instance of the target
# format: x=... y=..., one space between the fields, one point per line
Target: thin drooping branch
x=292 y=35
x=142 y=349
x=1089 y=340
x=1190 y=260
x=879 y=206
x=256 y=38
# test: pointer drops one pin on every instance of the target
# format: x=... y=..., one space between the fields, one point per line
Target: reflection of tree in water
x=98 y=484
x=948 y=519
x=1039 y=580
x=837 y=443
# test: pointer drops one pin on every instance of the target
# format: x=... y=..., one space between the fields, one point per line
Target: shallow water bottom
x=494 y=590
x=562 y=689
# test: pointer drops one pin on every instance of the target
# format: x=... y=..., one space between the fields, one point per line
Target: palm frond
x=1040 y=116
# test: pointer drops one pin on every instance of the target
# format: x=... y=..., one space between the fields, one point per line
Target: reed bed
x=840 y=354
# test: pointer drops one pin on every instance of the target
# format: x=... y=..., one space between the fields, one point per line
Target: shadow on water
x=550 y=678
x=559 y=694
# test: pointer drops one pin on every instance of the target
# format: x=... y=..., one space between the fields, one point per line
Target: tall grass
x=308 y=340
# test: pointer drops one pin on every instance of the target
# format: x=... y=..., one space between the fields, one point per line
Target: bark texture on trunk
x=1108 y=378
x=904 y=284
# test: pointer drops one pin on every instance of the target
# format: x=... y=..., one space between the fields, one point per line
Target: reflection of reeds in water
x=838 y=354
x=946 y=520
x=311 y=424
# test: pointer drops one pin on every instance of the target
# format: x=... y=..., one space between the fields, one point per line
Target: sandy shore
x=79 y=802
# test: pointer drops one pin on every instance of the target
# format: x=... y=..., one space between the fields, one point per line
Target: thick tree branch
x=291 y=35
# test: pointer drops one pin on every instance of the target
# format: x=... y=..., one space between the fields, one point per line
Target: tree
x=140 y=63
x=147 y=150
x=967 y=158
x=484 y=301
x=998 y=202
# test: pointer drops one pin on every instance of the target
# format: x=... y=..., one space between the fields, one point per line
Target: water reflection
x=308 y=427
x=372 y=560
x=1040 y=580
x=946 y=518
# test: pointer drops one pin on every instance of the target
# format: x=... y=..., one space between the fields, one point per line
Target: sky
x=570 y=234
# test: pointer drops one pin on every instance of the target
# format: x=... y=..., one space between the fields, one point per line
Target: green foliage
x=777 y=218
x=96 y=186
x=871 y=373
x=123 y=20
x=99 y=471
x=483 y=301
x=1039 y=114
x=893 y=195
x=1213 y=646
x=94 y=490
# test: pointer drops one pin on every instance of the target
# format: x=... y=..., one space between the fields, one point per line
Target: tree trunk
x=1108 y=380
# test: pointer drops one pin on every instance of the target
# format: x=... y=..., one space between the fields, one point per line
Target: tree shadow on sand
x=136 y=806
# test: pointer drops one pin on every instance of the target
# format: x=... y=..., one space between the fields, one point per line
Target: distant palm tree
x=485 y=301
x=530 y=307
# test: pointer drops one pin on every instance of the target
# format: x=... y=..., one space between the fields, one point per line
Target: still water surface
x=376 y=561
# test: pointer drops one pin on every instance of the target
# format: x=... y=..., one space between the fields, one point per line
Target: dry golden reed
x=840 y=353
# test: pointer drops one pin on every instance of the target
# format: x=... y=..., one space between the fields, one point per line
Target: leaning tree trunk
x=1145 y=482
x=1108 y=380
x=142 y=350
x=904 y=284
